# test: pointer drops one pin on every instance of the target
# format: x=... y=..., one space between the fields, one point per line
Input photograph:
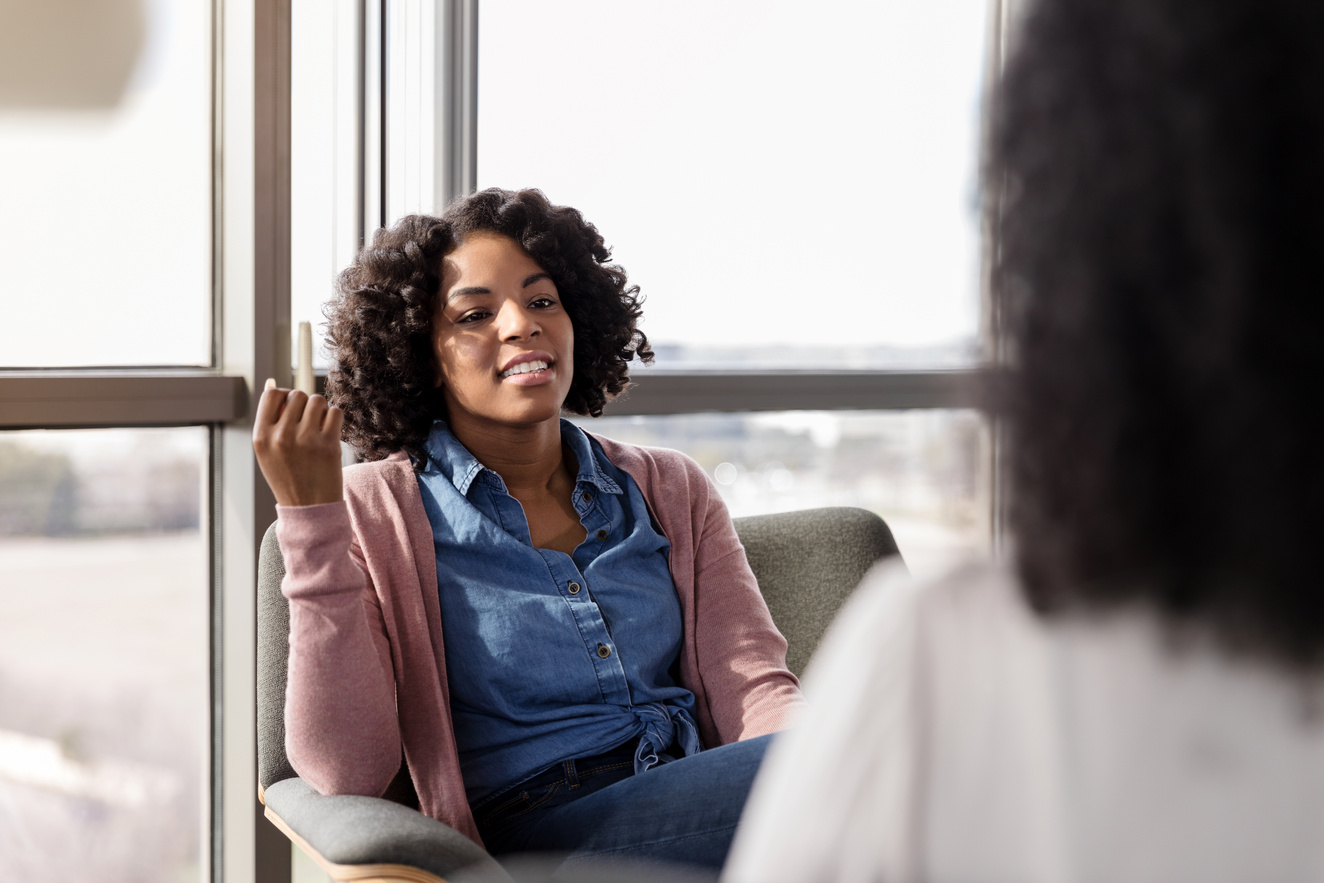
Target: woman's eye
x=468 y=318
x=543 y=303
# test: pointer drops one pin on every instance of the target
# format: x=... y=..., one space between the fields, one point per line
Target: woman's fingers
x=320 y=422
x=297 y=441
x=296 y=401
x=269 y=406
x=314 y=414
x=335 y=421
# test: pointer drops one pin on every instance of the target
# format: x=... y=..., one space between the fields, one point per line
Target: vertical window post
x=253 y=196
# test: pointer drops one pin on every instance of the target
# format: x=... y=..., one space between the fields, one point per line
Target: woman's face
x=504 y=344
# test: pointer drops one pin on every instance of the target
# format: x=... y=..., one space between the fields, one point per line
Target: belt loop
x=571 y=774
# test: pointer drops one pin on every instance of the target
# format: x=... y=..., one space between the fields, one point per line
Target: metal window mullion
x=456 y=71
x=253 y=189
x=373 y=109
x=1000 y=22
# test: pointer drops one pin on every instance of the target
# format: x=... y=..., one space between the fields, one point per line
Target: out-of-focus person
x=1135 y=695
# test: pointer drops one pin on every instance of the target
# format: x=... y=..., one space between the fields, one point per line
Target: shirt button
x=602 y=535
x=588 y=498
x=604 y=651
x=574 y=588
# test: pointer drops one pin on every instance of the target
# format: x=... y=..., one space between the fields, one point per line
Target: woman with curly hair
x=559 y=632
x=1136 y=695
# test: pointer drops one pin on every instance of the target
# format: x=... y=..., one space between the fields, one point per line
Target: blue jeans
x=683 y=812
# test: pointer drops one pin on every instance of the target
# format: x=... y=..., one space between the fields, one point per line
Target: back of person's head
x=1159 y=166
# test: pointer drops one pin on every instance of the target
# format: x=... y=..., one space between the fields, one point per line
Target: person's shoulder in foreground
x=954 y=734
x=835 y=798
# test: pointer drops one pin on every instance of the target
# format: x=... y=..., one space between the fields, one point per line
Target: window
x=789 y=187
x=146 y=287
x=146 y=340
x=104 y=660
x=106 y=230
x=326 y=142
x=795 y=195
x=922 y=470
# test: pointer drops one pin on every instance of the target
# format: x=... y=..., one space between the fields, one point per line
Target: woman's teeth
x=525 y=368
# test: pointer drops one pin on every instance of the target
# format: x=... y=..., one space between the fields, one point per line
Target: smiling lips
x=529 y=369
x=524 y=368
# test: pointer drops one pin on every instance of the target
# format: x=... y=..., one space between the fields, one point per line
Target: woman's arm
x=742 y=654
x=341 y=729
x=342 y=733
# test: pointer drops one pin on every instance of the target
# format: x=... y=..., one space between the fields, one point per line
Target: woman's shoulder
x=659 y=471
x=375 y=476
x=630 y=457
x=383 y=490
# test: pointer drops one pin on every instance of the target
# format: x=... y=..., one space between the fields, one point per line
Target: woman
x=1137 y=695
x=608 y=673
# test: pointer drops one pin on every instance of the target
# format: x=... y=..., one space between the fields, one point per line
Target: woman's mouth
x=525 y=368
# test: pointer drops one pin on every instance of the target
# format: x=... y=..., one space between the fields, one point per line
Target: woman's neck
x=529 y=459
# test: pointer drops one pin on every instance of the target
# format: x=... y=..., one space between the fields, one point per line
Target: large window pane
x=924 y=472
x=790 y=184
x=106 y=214
x=103 y=655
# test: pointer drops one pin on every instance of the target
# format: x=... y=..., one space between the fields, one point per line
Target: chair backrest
x=273 y=656
x=807 y=563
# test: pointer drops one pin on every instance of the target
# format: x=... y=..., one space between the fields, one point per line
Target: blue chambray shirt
x=551 y=656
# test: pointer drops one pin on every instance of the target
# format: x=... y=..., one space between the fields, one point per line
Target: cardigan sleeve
x=741 y=655
x=342 y=733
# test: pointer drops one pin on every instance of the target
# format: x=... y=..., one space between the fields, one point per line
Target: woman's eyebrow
x=478 y=290
x=471 y=291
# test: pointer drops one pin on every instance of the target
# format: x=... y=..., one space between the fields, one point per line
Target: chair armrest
x=344 y=831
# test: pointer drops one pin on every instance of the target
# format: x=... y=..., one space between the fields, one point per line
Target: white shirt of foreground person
x=954 y=736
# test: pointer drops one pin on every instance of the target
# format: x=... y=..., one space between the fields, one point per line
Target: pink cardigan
x=367 y=670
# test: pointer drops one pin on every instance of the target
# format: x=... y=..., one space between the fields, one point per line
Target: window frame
x=252 y=325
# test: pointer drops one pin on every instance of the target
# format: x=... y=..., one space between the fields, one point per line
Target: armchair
x=807 y=563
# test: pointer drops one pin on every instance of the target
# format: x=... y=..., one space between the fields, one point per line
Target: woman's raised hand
x=297 y=441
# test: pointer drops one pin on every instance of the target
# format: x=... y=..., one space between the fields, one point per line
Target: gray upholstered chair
x=807 y=564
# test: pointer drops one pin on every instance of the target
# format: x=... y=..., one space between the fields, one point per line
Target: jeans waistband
x=570 y=770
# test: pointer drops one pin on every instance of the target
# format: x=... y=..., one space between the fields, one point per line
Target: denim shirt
x=551 y=656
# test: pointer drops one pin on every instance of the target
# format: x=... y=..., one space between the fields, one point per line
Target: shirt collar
x=590 y=470
x=453 y=460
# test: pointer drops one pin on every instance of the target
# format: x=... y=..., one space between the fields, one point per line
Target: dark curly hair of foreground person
x=1161 y=170
x=379 y=326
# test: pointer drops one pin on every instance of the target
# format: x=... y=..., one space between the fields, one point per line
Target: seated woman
x=1137 y=695
x=560 y=632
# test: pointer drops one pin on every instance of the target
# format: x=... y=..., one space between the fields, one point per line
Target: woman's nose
x=517 y=323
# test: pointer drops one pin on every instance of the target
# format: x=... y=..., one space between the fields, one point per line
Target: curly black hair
x=1161 y=169
x=379 y=325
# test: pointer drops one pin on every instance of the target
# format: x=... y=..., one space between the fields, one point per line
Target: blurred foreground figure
x=1137 y=695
